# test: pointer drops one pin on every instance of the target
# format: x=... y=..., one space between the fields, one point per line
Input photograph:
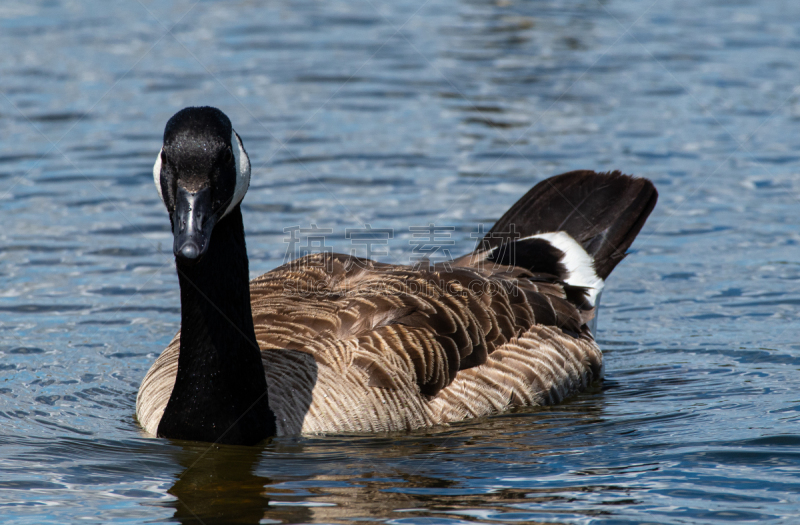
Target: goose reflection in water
x=220 y=485
x=390 y=476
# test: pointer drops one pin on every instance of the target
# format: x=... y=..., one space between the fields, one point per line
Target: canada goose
x=332 y=343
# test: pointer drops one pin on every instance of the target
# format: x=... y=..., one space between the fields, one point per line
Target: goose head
x=202 y=173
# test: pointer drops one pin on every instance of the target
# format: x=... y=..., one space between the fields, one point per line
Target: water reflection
x=440 y=473
x=406 y=477
x=220 y=485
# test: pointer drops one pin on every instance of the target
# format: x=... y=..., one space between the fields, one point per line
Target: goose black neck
x=220 y=392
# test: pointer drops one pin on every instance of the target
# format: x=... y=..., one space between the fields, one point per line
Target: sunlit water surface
x=401 y=114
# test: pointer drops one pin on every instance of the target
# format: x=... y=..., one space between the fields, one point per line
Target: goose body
x=333 y=343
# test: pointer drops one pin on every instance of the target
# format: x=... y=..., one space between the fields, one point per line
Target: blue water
x=400 y=114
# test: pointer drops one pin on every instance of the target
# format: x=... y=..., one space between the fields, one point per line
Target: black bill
x=192 y=223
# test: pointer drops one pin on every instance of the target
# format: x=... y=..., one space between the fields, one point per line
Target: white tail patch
x=579 y=264
x=242 y=172
x=157 y=174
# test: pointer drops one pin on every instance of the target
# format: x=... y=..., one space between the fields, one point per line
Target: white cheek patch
x=579 y=264
x=242 y=172
x=157 y=174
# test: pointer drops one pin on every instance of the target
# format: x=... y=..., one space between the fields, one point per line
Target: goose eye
x=227 y=155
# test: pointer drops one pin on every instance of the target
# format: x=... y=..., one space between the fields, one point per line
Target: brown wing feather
x=427 y=324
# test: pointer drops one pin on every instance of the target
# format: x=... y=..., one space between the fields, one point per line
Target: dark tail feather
x=602 y=211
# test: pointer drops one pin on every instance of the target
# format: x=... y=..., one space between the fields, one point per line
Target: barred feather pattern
x=352 y=345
